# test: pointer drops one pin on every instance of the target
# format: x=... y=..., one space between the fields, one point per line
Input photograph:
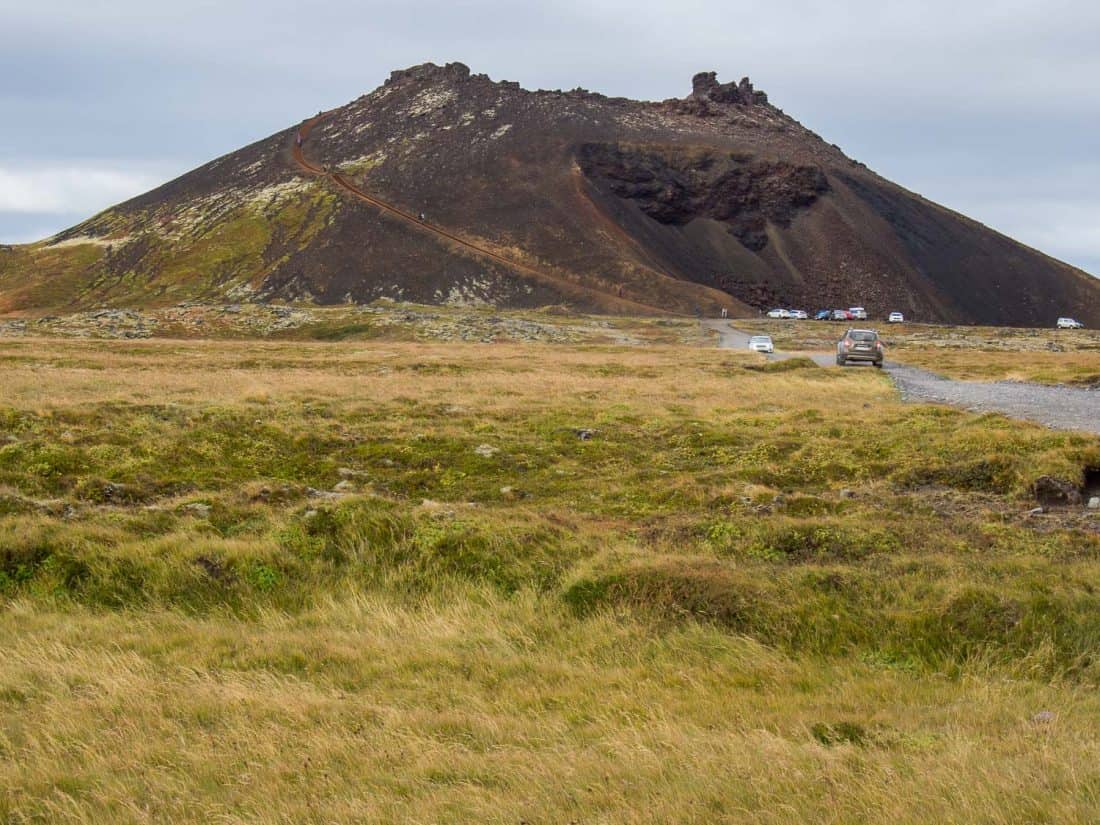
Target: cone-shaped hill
x=443 y=186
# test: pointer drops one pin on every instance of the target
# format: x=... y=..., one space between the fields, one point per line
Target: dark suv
x=859 y=345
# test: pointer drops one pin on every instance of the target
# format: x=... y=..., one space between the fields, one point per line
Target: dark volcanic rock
x=1055 y=492
x=455 y=72
x=705 y=86
x=674 y=185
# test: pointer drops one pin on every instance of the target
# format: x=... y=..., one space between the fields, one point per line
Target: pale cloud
x=69 y=189
x=1071 y=227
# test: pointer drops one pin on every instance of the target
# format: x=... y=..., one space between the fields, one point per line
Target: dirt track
x=1063 y=408
x=612 y=303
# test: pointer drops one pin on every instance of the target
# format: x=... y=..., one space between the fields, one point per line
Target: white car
x=858 y=313
x=895 y=318
x=779 y=313
x=761 y=343
x=1069 y=323
x=799 y=315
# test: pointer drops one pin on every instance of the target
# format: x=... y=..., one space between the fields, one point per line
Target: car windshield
x=760 y=339
x=863 y=335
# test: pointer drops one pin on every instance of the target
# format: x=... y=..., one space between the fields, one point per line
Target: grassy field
x=401 y=581
x=1045 y=356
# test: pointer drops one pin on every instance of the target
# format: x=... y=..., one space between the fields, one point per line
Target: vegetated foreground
x=411 y=582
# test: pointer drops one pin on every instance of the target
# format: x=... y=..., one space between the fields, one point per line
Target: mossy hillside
x=149 y=258
x=238 y=250
x=36 y=276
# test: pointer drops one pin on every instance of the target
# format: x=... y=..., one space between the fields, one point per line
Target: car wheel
x=878 y=364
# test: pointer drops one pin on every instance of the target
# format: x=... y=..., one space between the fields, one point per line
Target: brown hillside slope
x=533 y=198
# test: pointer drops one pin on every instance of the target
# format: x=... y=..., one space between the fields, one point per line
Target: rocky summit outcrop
x=705 y=86
x=443 y=186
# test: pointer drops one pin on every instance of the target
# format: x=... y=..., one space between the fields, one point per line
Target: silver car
x=761 y=343
x=860 y=345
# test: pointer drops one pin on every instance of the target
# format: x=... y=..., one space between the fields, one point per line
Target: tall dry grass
x=479 y=709
x=747 y=597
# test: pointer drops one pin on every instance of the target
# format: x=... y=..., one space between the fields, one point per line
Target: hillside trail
x=1061 y=408
x=608 y=301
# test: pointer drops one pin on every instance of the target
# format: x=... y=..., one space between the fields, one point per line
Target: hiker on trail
x=422 y=217
x=725 y=312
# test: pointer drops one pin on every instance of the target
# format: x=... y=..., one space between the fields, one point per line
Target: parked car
x=823 y=315
x=799 y=314
x=857 y=313
x=779 y=313
x=761 y=343
x=859 y=345
x=1069 y=323
x=895 y=318
x=842 y=315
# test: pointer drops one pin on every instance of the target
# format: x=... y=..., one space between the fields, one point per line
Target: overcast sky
x=991 y=108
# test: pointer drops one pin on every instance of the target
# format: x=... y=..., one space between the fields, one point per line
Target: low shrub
x=883 y=615
x=786 y=365
x=993 y=474
x=839 y=733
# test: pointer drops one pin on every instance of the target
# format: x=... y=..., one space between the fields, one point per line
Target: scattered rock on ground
x=347 y=472
x=1055 y=492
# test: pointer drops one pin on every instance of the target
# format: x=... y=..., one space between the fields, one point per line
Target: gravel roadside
x=1063 y=408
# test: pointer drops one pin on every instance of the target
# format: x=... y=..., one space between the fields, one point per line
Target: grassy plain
x=267 y=581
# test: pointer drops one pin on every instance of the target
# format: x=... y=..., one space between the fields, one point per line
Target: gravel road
x=1063 y=408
